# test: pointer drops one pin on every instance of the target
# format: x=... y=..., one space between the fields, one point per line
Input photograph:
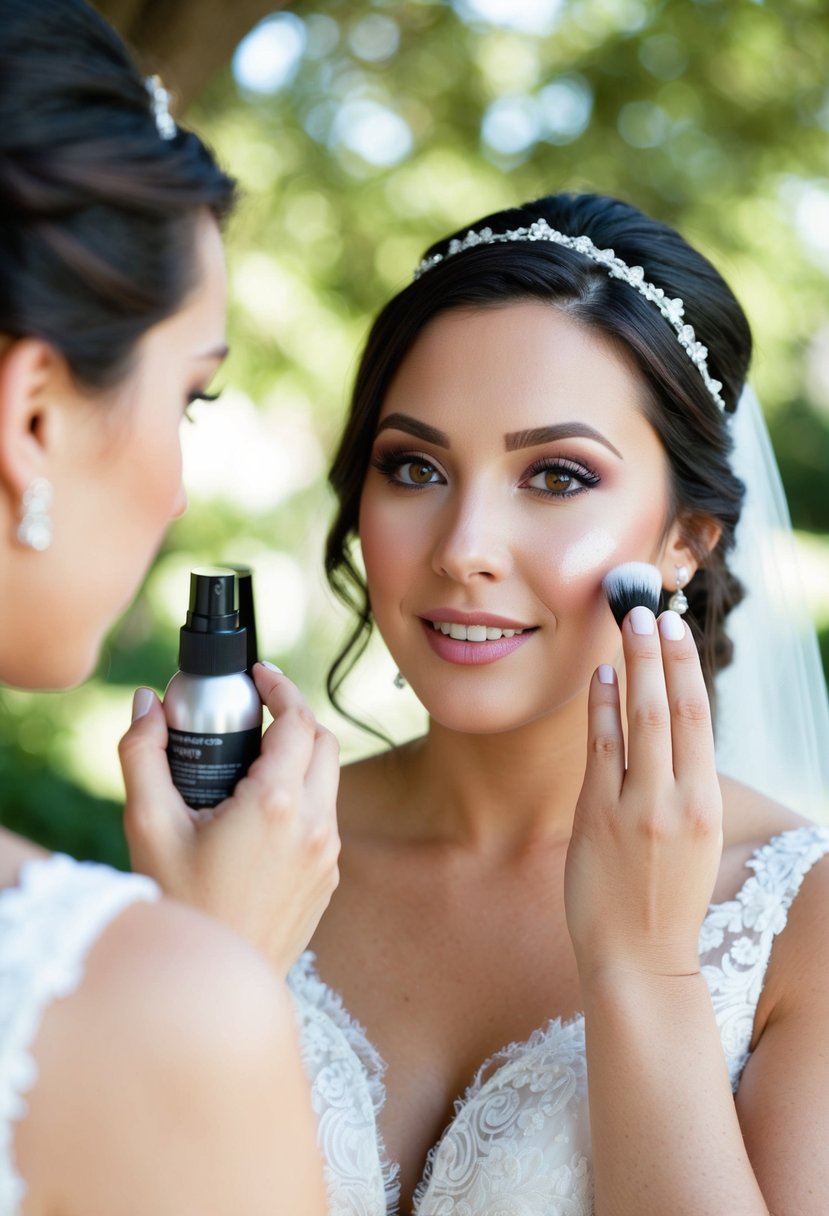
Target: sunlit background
x=360 y=133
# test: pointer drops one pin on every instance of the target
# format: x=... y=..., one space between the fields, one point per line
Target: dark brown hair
x=97 y=235
x=693 y=430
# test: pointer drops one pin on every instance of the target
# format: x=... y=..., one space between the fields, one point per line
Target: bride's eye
x=417 y=472
x=407 y=469
x=559 y=478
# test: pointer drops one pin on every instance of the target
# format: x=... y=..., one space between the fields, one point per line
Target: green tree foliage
x=360 y=133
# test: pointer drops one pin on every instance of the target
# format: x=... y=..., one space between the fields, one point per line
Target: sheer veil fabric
x=772 y=708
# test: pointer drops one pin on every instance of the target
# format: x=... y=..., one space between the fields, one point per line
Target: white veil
x=772 y=708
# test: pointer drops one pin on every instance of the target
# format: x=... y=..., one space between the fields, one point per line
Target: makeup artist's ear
x=32 y=379
x=689 y=542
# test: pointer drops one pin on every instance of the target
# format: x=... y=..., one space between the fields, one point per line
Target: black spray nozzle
x=211 y=641
x=214 y=601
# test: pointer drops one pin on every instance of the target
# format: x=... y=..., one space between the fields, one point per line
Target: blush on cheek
x=590 y=552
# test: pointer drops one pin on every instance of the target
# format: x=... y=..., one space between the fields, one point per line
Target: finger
x=287 y=706
x=692 y=735
x=155 y=816
x=276 y=690
x=275 y=779
x=323 y=778
x=648 y=714
x=605 y=769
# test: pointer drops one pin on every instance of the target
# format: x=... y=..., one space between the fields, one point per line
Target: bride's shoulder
x=15 y=851
x=751 y=818
x=752 y=823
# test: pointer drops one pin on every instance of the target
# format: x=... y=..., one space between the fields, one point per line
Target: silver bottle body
x=212 y=705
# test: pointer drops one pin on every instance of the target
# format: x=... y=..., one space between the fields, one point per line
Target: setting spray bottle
x=213 y=711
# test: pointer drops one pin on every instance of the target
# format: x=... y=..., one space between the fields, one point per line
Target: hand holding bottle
x=264 y=861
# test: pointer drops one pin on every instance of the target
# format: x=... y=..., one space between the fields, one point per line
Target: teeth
x=473 y=633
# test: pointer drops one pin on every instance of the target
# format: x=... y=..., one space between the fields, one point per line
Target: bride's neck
x=500 y=791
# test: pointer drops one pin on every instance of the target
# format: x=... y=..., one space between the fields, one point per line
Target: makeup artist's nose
x=471 y=543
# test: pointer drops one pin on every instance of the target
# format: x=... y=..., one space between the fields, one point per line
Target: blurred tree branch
x=185 y=41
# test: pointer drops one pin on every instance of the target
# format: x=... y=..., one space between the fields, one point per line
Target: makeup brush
x=630 y=584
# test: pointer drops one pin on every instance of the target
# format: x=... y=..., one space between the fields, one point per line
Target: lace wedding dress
x=519 y=1141
x=48 y=924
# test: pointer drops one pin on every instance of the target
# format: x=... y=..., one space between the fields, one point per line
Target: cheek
x=386 y=548
x=577 y=559
x=588 y=556
x=159 y=478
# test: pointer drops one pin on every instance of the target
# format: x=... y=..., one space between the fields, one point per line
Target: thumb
x=156 y=820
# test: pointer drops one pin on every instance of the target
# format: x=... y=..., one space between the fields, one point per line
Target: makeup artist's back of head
x=148 y=1056
x=103 y=240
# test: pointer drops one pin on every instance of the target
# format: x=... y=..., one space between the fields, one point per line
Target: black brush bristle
x=630 y=584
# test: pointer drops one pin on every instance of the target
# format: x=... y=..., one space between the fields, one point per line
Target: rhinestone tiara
x=160 y=105
x=672 y=310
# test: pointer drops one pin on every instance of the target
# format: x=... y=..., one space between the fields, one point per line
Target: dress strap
x=737 y=936
x=48 y=924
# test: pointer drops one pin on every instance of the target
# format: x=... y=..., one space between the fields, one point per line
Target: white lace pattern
x=48 y=924
x=519 y=1141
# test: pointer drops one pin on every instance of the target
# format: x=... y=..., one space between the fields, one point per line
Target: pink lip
x=452 y=617
x=473 y=654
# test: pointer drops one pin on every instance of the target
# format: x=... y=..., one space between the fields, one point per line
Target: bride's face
x=512 y=467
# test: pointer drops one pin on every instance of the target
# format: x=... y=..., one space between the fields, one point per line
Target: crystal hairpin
x=160 y=102
x=672 y=310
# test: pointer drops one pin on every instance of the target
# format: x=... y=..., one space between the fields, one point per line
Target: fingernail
x=142 y=700
x=272 y=667
x=672 y=626
x=606 y=674
x=642 y=620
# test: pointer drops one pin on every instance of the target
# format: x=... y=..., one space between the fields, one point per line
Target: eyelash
x=390 y=462
x=588 y=477
x=192 y=398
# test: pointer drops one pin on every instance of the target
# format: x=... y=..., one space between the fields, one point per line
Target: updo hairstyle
x=97 y=239
x=693 y=430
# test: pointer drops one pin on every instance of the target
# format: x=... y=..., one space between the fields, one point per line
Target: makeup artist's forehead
x=513 y=368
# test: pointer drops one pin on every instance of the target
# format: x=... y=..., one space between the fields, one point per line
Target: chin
x=464 y=717
x=499 y=710
x=53 y=672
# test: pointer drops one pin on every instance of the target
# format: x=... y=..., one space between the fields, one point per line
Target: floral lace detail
x=737 y=936
x=519 y=1141
x=48 y=923
x=347 y=1093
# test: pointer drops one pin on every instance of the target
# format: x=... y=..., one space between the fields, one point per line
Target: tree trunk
x=185 y=41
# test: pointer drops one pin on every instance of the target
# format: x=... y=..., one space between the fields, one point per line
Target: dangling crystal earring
x=679 y=601
x=400 y=680
x=35 y=528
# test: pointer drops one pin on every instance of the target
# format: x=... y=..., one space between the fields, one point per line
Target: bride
x=569 y=968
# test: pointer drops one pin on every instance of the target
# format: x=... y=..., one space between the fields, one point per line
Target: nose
x=472 y=544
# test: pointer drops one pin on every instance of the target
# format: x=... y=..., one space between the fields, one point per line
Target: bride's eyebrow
x=413 y=426
x=561 y=430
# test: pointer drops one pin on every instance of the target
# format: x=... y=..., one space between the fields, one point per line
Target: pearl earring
x=679 y=601
x=35 y=528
